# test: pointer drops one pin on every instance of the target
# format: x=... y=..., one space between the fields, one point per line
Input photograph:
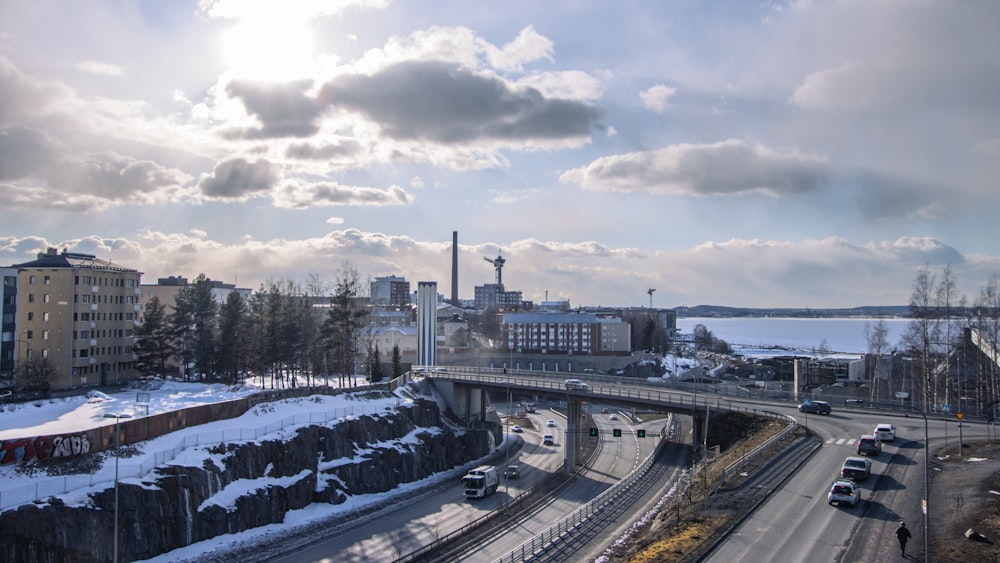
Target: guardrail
x=552 y=534
x=749 y=456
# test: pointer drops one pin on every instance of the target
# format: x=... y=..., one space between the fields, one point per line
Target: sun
x=273 y=48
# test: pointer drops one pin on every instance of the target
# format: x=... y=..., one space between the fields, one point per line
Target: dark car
x=869 y=445
x=856 y=468
x=512 y=472
x=815 y=407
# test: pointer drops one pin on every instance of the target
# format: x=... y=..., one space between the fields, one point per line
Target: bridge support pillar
x=575 y=414
x=699 y=427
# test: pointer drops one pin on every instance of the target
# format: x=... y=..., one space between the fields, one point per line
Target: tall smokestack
x=454 y=268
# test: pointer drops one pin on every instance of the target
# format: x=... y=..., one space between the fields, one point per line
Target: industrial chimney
x=454 y=268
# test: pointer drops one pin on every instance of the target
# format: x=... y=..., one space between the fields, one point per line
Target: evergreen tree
x=231 y=339
x=375 y=365
x=343 y=324
x=153 y=345
x=397 y=362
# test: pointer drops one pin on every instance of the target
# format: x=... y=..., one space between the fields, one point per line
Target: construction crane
x=650 y=292
x=498 y=263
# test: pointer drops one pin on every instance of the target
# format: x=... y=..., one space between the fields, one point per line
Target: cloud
x=327 y=151
x=239 y=179
x=104 y=69
x=724 y=168
x=25 y=152
x=656 y=98
x=738 y=272
x=439 y=102
x=283 y=108
x=528 y=46
x=23 y=97
x=297 y=194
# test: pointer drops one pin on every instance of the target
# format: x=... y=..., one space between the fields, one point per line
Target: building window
x=45 y=335
x=48 y=280
x=29 y=334
x=45 y=298
x=31 y=298
x=31 y=280
x=31 y=315
x=45 y=316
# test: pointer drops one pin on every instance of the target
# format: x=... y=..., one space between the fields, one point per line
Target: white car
x=517 y=429
x=844 y=491
x=550 y=423
x=885 y=432
x=613 y=416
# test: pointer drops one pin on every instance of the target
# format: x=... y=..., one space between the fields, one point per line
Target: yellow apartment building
x=76 y=320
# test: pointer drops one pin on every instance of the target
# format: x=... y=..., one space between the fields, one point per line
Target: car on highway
x=885 y=432
x=869 y=445
x=613 y=416
x=512 y=472
x=516 y=429
x=548 y=439
x=577 y=384
x=550 y=423
x=844 y=491
x=856 y=468
x=815 y=407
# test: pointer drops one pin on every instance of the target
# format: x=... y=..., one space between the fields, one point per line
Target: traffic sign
x=641 y=433
x=945 y=408
x=593 y=432
x=617 y=432
x=960 y=416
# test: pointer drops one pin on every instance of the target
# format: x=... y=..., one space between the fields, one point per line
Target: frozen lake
x=841 y=335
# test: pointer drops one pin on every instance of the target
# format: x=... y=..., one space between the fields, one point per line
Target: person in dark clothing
x=903 y=534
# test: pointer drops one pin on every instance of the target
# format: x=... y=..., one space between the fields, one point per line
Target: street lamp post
x=117 y=418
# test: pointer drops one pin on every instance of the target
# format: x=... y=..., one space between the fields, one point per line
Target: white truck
x=481 y=481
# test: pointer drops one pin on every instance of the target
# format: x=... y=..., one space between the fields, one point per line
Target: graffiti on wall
x=20 y=450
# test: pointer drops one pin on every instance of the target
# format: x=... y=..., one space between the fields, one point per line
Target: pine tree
x=153 y=345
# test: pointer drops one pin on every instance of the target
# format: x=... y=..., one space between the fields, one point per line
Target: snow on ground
x=265 y=421
x=72 y=414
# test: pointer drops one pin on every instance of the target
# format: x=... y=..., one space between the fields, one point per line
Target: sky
x=761 y=154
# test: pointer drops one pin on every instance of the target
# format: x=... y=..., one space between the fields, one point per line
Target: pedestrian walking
x=904 y=535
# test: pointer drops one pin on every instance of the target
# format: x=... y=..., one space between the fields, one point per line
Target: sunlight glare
x=273 y=48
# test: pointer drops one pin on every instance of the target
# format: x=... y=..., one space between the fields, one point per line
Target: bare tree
x=921 y=335
x=876 y=335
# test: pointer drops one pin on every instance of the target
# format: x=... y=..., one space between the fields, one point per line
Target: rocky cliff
x=241 y=486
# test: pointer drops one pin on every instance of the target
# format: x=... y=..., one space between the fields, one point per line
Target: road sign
x=960 y=416
x=641 y=433
x=617 y=432
x=593 y=432
x=945 y=408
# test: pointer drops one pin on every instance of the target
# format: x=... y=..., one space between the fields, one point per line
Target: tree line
x=284 y=333
x=950 y=343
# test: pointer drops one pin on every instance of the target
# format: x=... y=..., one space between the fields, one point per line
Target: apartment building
x=76 y=318
x=566 y=333
x=8 y=327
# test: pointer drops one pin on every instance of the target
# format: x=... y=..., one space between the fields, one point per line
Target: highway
x=796 y=524
x=410 y=525
x=616 y=457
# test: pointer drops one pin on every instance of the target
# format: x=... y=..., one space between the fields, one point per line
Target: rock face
x=243 y=486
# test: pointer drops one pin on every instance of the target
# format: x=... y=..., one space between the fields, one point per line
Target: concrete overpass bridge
x=466 y=391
